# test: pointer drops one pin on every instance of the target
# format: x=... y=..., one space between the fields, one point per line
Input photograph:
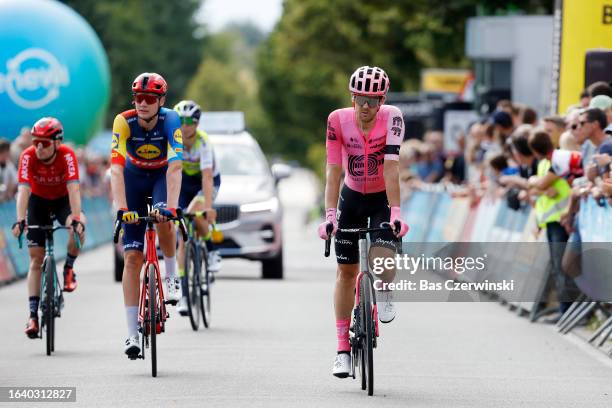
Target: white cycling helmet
x=188 y=109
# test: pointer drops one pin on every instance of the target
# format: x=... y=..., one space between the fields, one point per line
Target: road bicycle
x=51 y=293
x=152 y=312
x=197 y=274
x=364 y=324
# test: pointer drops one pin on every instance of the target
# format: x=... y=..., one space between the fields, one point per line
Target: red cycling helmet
x=369 y=81
x=150 y=82
x=48 y=128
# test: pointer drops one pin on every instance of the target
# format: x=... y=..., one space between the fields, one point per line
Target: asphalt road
x=272 y=343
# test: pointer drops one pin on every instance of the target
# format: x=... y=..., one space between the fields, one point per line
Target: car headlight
x=267 y=205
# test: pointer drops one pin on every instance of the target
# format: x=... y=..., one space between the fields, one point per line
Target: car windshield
x=240 y=160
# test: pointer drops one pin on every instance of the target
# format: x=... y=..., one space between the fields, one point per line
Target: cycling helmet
x=48 y=128
x=369 y=81
x=188 y=109
x=150 y=82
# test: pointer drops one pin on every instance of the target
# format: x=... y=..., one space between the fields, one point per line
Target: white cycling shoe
x=173 y=290
x=386 y=308
x=214 y=261
x=182 y=307
x=342 y=365
x=132 y=347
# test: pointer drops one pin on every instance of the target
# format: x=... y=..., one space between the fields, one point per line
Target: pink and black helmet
x=369 y=81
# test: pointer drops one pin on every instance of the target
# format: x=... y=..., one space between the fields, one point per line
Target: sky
x=216 y=13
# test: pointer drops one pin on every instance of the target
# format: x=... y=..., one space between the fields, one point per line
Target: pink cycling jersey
x=347 y=145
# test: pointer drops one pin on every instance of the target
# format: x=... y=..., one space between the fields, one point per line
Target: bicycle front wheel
x=193 y=285
x=367 y=353
x=152 y=314
x=205 y=286
x=49 y=317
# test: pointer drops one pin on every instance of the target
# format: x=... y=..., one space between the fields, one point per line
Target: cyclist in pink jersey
x=364 y=142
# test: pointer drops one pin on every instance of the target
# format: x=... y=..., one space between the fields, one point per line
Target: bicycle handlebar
x=384 y=226
x=51 y=228
x=179 y=218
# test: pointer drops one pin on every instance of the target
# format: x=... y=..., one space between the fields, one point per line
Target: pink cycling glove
x=396 y=216
x=330 y=218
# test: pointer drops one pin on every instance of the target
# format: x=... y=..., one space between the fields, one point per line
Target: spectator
x=553 y=197
x=585 y=98
x=528 y=116
x=599 y=88
x=568 y=142
x=8 y=172
x=503 y=125
x=593 y=122
x=604 y=103
x=554 y=126
x=21 y=142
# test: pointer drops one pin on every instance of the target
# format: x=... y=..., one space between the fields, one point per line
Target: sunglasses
x=44 y=143
x=371 y=101
x=150 y=99
x=188 y=121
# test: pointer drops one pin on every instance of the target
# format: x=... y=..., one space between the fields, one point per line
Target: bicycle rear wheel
x=193 y=285
x=49 y=318
x=367 y=356
x=152 y=314
x=205 y=285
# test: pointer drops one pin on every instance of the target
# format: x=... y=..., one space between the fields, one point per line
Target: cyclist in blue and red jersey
x=146 y=161
x=364 y=142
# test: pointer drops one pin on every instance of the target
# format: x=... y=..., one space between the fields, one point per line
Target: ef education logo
x=33 y=78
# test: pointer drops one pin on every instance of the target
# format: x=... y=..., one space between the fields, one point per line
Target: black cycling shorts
x=354 y=211
x=42 y=211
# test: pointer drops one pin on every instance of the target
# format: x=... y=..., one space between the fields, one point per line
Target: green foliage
x=304 y=66
x=145 y=36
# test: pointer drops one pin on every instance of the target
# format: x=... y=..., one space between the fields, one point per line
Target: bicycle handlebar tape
x=117 y=225
x=182 y=226
x=329 y=230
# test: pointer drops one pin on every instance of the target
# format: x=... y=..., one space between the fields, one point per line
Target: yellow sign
x=585 y=25
x=148 y=151
x=443 y=80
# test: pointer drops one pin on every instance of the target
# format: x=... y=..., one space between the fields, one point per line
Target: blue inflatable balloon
x=51 y=64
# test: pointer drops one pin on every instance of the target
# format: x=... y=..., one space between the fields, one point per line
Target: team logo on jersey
x=148 y=151
x=115 y=142
x=178 y=136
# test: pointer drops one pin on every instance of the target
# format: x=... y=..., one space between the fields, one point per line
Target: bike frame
x=364 y=270
x=151 y=259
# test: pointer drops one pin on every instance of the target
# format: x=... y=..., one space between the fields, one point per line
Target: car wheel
x=118 y=266
x=273 y=268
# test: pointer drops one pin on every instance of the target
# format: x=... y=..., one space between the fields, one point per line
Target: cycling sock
x=131 y=312
x=181 y=272
x=342 y=331
x=70 y=261
x=170 y=266
x=34 y=301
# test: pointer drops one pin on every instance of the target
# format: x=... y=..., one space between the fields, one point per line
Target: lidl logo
x=148 y=151
x=115 y=142
x=33 y=78
x=178 y=136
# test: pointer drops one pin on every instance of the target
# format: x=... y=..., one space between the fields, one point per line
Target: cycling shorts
x=138 y=186
x=191 y=186
x=43 y=211
x=354 y=211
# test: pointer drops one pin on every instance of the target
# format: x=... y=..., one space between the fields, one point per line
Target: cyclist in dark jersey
x=146 y=161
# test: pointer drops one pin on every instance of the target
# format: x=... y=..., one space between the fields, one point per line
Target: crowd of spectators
x=547 y=164
x=92 y=167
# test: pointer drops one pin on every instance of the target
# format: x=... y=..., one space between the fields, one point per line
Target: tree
x=304 y=66
x=144 y=36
